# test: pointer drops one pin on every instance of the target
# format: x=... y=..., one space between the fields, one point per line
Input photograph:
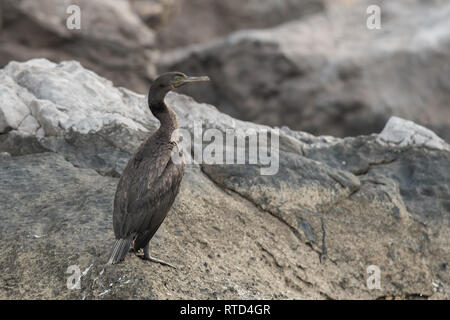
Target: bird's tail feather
x=119 y=250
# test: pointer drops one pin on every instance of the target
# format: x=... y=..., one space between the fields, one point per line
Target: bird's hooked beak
x=190 y=80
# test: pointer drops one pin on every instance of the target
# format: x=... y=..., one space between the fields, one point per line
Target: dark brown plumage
x=151 y=180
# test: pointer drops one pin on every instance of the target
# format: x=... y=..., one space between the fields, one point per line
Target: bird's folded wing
x=151 y=209
x=145 y=192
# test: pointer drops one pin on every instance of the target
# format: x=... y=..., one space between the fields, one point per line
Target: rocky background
x=312 y=65
x=336 y=206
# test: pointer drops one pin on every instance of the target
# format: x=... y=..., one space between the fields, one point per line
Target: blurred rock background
x=312 y=65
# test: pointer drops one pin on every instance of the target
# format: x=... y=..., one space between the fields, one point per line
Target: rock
x=12 y=111
x=335 y=209
x=4 y=155
x=405 y=133
x=112 y=39
x=154 y=13
x=329 y=74
x=202 y=21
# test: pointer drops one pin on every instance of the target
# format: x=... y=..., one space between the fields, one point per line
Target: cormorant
x=151 y=181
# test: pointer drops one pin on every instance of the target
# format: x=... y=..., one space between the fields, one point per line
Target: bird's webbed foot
x=153 y=259
x=148 y=257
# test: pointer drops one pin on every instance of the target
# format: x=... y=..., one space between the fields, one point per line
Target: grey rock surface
x=201 y=21
x=328 y=73
x=113 y=39
x=335 y=207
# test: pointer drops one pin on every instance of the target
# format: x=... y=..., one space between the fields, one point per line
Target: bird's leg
x=150 y=258
x=132 y=247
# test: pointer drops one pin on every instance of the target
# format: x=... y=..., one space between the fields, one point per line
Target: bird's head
x=171 y=80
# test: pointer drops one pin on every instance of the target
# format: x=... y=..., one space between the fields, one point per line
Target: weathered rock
x=198 y=21
x=112 y=39
x=328 y=73
x=405 y=133
x=335 y=207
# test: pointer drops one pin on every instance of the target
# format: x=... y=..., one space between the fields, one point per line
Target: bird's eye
x=177 y=78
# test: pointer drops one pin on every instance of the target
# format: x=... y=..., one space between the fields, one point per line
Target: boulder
x=336 y=210
x=328 y=73
x=113 y=39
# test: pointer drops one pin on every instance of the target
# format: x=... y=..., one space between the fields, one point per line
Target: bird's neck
x=166 y=116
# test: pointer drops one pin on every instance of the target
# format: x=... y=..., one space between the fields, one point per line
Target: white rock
x=403 y=133
x=47 y=99
x=65 y=96
x=29 y=125
x=5 y=155
x=49 y=117
x=12 y=109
